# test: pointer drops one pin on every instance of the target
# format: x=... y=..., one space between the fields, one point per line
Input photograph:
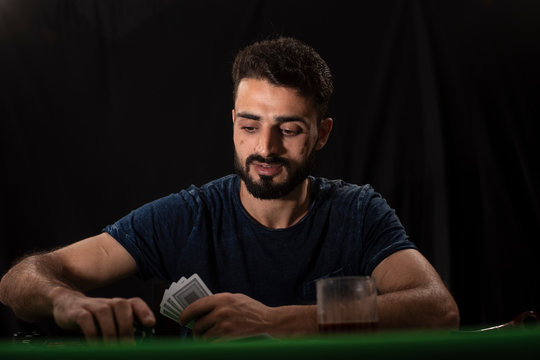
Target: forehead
x=265 y=99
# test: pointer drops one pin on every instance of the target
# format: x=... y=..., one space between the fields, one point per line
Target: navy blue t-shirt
x=348 y=230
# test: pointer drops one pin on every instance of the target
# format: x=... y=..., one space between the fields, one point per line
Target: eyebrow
x=280 y=119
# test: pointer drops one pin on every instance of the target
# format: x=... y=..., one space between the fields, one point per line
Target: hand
x=111 y=319
x=227 y=315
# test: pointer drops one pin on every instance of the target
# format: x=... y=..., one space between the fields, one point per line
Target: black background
x=106 y=105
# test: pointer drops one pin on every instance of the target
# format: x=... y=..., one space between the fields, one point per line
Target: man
x=259 y=239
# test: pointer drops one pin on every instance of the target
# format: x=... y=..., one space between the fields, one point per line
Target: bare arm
x=237 y=315
x=50 y=284
x=412 y=295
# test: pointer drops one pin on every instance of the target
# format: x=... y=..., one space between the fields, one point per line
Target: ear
x=233 y=116
x=325 y=128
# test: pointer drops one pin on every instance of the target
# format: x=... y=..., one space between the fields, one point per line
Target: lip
x=267 y=169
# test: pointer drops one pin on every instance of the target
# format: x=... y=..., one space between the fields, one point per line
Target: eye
x=287 y=131
x=249 y=129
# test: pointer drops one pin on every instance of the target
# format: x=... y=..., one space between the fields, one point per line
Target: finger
x=197 y=309
x=86 y=323
x=103 y=313
x=123 y=314
x=219 y=329
x=203 y=323
x=215 y=324
x=143 y=312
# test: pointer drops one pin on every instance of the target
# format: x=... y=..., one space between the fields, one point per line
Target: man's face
x=275 y=138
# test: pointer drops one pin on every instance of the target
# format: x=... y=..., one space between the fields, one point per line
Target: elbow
x=448 y=317
x=7 y=283
x=451 y=319
x=2 y=295
x=440 y=312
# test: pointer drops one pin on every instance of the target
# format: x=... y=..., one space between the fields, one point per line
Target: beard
x=265 y=188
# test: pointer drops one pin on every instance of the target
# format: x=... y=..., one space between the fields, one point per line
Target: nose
x=269 y=142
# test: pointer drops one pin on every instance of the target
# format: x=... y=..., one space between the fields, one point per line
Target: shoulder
x=215 y=188
x=347 y=197
x=223 y=184
x=340 y=189
x=193 y=196
x=216 y=192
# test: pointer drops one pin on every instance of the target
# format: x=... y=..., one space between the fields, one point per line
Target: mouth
x=265 y=169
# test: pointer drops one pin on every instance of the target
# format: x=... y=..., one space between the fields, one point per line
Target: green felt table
x=456 y=345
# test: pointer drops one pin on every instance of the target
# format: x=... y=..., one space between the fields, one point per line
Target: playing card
x=190 y=290
x=167 y=296
x=180 y=294
x=171 y=309
x=168 y=314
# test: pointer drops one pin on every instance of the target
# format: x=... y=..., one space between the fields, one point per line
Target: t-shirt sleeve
x=154 y=231
x=383 y=233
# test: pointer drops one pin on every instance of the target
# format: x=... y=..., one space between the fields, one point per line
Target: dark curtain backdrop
x=106 y=105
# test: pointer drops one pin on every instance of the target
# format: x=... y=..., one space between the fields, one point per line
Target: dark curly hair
x=286 y=61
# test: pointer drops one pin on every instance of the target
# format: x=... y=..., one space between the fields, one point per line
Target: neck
x=278 y=213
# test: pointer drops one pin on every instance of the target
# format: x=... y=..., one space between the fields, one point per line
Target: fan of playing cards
x=182 y=293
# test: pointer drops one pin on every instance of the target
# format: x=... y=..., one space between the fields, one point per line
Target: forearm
x=412 y=308
x=294 y=320
x=28 y=287
x=417 y=308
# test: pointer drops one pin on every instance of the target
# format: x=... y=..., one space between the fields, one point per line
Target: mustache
x=266 y=160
